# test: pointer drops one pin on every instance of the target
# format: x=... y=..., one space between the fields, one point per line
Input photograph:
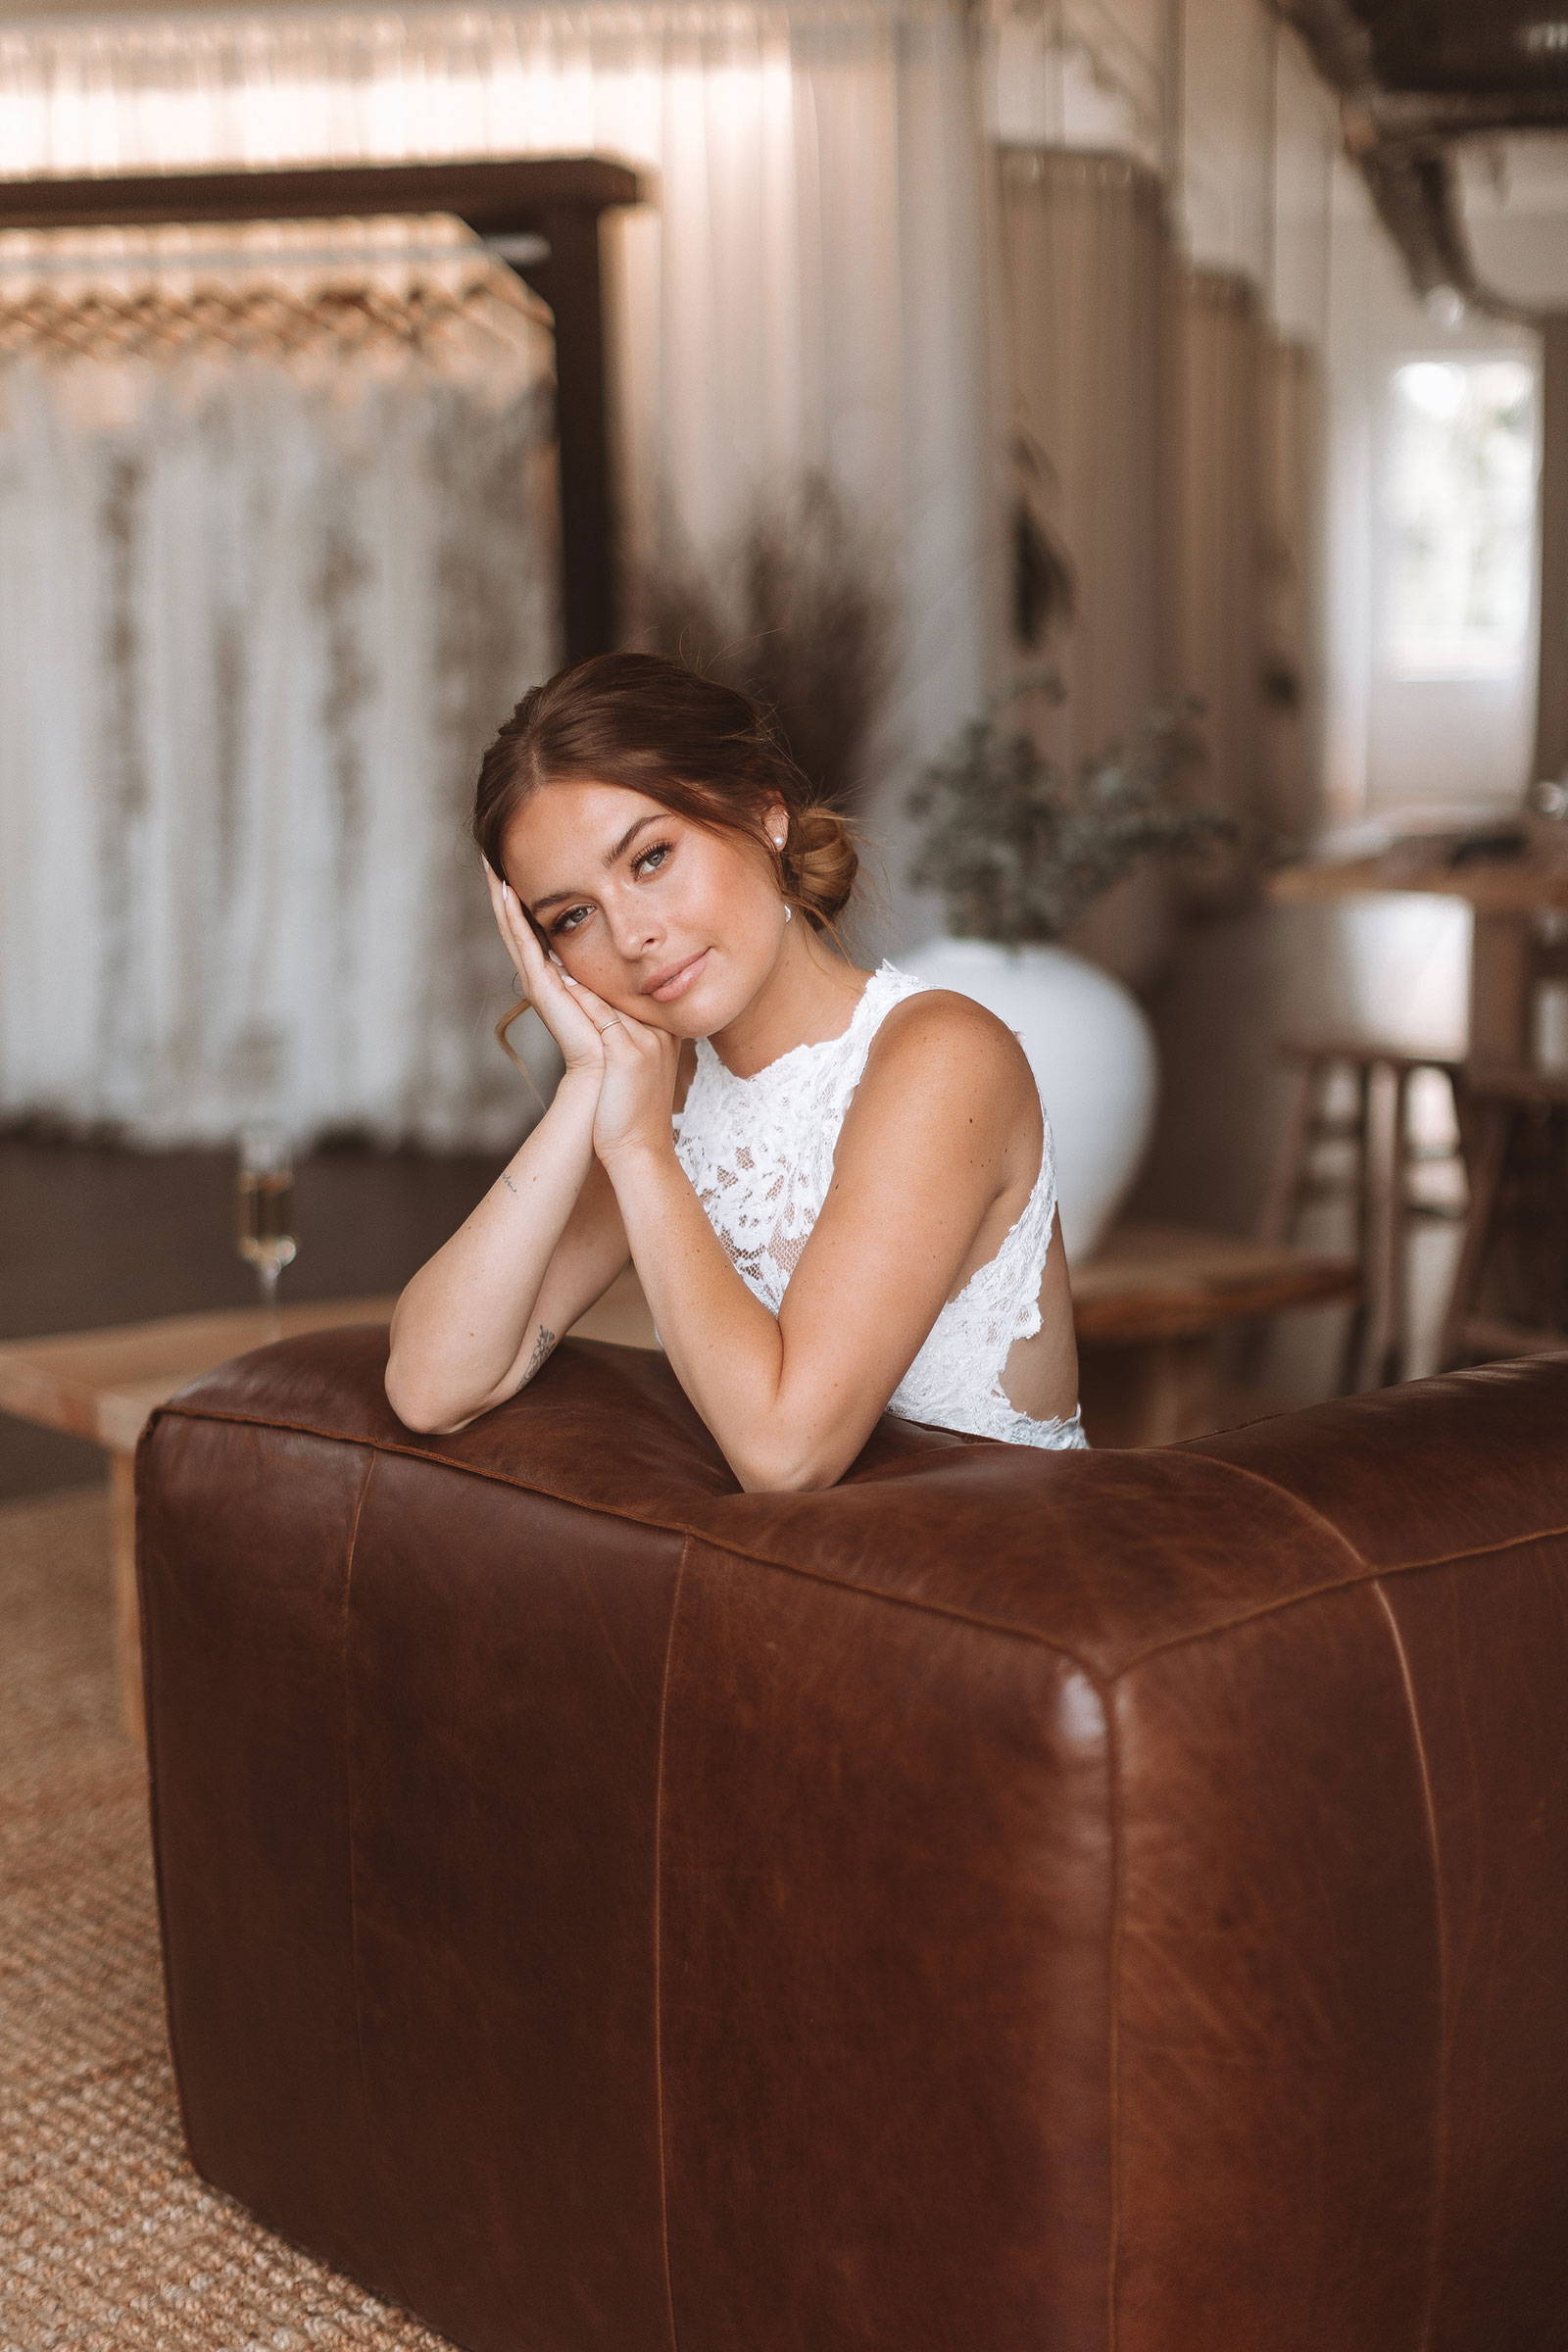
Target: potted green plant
x=1019 y=847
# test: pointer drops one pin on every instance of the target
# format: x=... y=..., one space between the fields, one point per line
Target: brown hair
x=702 y=750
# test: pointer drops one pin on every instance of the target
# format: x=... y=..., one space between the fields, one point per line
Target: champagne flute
x=264 y=1189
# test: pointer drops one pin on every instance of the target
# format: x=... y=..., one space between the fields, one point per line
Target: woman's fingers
x=570 y=1009
x=605 y=1018
x=540 y=980
x=520 y=935
x=498 y=907
x=526 y=945
x=598 y=1011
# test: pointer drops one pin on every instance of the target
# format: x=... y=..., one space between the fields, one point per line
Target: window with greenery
x=1459 y=517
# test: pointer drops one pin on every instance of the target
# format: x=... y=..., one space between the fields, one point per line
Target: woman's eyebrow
x=553 y=898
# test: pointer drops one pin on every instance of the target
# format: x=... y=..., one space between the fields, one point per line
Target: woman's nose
x=633 y=934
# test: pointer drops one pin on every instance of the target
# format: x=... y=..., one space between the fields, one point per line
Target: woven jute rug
x=108 y=2242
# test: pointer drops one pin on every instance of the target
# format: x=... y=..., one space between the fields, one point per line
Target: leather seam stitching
x=1307 y=1510
x=349 y=1780
x=671 y=1527
x=1439 y=2182
x=1102 y=1677
x=658 y=1930
x=1345 y=1583
x=152 y=1713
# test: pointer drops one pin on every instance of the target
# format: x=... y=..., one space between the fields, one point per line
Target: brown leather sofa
x=1010 y=1901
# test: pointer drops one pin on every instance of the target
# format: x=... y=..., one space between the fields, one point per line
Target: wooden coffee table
x=1149 y=1307
x=104 y=1385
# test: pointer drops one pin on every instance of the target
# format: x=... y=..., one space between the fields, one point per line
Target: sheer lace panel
x=759 y=1155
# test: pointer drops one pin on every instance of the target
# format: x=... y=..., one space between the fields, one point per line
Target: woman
x=837 y=1185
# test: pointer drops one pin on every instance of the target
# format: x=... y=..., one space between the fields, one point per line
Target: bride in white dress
x=838 y=1186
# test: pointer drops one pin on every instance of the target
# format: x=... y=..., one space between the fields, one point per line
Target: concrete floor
x=96 y=1236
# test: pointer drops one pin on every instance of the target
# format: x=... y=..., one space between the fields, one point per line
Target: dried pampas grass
x=795 y=609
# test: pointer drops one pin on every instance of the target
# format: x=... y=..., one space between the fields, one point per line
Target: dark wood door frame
x=559 y=198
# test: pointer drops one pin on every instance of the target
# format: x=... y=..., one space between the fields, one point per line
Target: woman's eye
x=657 y=848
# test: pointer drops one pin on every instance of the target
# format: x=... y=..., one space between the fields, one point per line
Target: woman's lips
x=679 y=982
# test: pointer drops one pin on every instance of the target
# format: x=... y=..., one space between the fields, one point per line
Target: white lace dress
x=759 y=1153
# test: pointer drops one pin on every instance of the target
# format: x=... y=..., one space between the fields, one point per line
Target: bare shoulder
x=940 y=1033
x=943 y=1075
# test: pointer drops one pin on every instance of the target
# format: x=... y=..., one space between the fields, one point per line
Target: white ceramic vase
x=1093 y=1053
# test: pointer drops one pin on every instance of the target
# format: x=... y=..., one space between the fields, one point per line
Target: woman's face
x=627 y=893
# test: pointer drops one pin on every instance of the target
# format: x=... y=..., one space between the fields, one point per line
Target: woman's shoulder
x=943 y=1076
x=942 y=1042
x=930 y=1024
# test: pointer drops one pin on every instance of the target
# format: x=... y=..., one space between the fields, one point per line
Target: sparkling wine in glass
x=266 y=1204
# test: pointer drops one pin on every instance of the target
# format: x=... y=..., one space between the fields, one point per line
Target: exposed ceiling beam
x=1400 y=141
x=1415 y=191
x=1454 y=115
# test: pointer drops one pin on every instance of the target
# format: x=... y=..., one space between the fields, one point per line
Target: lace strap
x=887 y=987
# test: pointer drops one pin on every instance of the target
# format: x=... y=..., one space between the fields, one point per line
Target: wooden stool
x=1502 y=1105
x=1385 y=1152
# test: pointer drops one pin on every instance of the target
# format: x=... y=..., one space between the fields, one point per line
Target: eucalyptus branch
x=1019 y=846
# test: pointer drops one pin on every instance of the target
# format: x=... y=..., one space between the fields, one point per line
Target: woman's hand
x=544 y=982
x=637 y=1089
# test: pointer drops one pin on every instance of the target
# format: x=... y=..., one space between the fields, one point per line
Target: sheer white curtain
x=255 y=617
x=807 y=286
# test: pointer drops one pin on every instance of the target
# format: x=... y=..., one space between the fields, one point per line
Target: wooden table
x=104 y=1385
x=1508 y=897
x=1149 y=1309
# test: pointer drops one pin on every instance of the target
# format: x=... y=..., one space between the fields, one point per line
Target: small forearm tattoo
x=542 y=1347
x=510 y=1187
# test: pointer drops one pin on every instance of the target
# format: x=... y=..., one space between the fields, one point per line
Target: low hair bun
x=821 y=862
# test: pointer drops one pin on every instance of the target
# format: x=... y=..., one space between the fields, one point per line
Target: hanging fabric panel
x=1220 y=566
x=1086 y=267
x=1086 y=254
x=1292 y=794
x=258 y=614
x=1226 y=182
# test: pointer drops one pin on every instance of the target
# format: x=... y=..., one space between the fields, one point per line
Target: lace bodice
x=759 y=1155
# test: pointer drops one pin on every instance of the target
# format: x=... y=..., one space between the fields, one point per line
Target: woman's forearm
x=460 y=1321
x=722 y=1343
